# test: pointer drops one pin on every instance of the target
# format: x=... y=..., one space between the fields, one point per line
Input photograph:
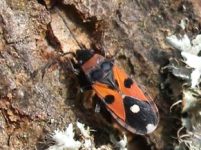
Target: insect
x=121 y=96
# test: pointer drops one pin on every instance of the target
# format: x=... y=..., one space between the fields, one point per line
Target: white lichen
x=194 y=62
x=191 y=101
x=122 y=144
x=191 y=60
x=65 y=140
x=85 y=132
x=183 y=23
x=184 y=44
x=189 y=51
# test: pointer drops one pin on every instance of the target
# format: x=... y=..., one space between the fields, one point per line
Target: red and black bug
x=120 y=95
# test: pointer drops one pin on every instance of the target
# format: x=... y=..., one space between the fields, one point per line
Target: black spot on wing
x=109 y=99
x=139 y=120
x=128 y=82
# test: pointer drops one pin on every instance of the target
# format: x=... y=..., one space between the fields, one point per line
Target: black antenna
x=65 y=22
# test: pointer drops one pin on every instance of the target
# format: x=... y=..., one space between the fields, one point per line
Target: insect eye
x=97 y=74
x=106 y=66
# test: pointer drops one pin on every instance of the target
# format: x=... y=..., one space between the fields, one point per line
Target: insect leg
x=43 y=68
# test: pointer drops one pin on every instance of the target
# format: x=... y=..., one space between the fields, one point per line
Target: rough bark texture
x=32 y=34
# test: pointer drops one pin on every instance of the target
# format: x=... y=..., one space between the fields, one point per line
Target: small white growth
x=135 y=108
x=88 y=144
x=189 y=52
x=195 y=78
x=183 y=23
x=191 y=60
x=84 y=132
x=194 y=62
x=150 y=128
x=122 y=144
x=184 y=43
x=65 y=140
x=196 y=48
x=103 y=147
